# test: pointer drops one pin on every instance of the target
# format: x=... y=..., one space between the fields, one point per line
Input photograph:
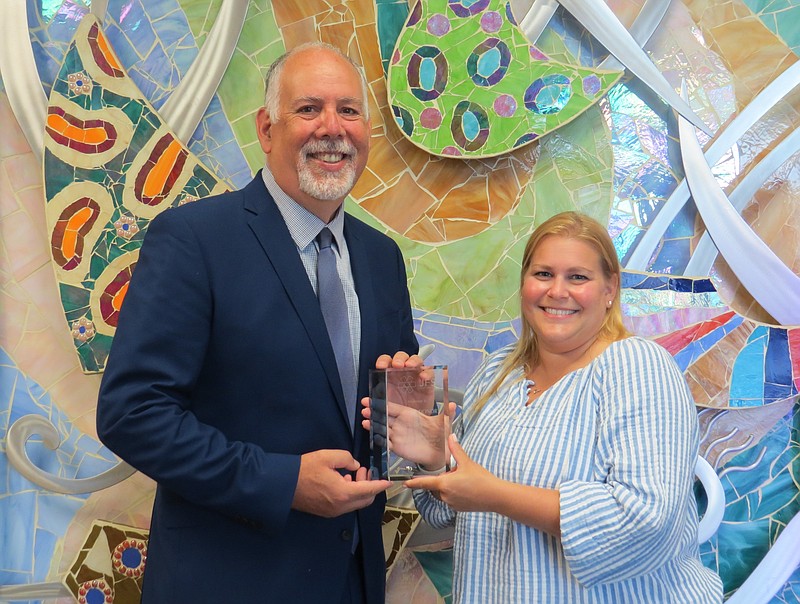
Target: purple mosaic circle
x=505 y=105
x=438 y=25
x=591 y=85
x=430 y=118
x=451 y=151
x=491 y=21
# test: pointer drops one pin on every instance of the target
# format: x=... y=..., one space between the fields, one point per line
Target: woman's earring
x=609 y=303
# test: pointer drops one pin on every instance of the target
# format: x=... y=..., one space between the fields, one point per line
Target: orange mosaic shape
x=104 y=57
x=67 y=239
x=155 y=182
x=91 y=136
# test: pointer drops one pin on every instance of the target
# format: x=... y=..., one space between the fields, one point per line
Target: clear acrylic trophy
x=410 y=421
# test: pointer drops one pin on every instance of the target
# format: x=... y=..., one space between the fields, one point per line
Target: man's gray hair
x=272 y=81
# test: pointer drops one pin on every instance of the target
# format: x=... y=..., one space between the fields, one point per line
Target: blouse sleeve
x=436 y=513
x=628 y=521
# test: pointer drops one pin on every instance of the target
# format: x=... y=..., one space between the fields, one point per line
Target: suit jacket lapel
x=270 y=229
x=359 y=263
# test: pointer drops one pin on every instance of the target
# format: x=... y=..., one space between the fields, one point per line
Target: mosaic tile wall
x=569 y=134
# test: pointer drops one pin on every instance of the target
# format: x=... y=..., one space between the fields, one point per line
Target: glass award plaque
x=409 y=422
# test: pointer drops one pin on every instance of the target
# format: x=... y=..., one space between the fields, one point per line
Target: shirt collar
x=303 y=225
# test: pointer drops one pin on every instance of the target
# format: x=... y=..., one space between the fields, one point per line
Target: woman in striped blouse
x=574 y=477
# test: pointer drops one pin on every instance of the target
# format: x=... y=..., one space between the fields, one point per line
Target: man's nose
x=330 y=123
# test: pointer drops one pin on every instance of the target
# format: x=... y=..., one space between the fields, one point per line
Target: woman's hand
x=472 y=488
x=412 y=434
x=467 y=488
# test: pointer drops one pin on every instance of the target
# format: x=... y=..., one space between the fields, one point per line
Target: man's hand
x=323 y=490
x=400 y=359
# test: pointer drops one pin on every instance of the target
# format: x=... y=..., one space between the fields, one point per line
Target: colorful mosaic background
x=68 y=235
x=465 y=81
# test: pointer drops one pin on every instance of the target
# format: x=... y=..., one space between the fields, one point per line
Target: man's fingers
x=384 y=361
x=335 y=459
x=399 y=359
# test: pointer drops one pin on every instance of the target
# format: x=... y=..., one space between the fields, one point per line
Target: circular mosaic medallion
x=130 y=557
x=488 y=62
x=95 y=591
x=427 y=73
x=549 y=94
x=470 y=126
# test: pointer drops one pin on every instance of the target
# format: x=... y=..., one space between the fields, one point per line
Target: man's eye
x=307 y=109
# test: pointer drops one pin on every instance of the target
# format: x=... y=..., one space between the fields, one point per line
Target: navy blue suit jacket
x=220 y=376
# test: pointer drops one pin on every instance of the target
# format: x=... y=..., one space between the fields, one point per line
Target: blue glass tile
x=747 y=381
x=17 y=517
x=681 y=285
x=704 y=285
x=499 y=339
x=778 y=362
x=44 y=548
x=674 y=254
x=171 y=29
x=136 y=26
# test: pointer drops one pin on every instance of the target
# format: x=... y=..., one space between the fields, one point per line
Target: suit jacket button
x=347 y=535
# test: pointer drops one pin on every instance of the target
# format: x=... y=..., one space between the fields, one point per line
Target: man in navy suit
x=222 y=383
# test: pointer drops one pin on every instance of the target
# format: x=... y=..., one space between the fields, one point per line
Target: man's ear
x=264 y=129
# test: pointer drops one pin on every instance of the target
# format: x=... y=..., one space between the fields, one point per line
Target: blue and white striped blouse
x=618 y=438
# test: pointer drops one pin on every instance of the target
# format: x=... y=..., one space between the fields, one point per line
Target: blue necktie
x=334 y=310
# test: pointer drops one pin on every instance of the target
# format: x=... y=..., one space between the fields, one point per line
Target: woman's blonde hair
x=571 y=225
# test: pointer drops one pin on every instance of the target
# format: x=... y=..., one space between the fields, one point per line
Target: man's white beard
x=323 y=185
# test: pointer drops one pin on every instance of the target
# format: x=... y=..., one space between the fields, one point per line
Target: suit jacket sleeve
x=144 y=409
